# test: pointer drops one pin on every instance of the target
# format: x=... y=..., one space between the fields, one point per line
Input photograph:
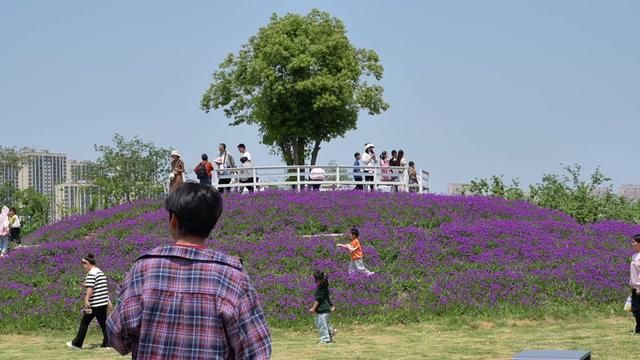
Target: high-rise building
x=42 y=171
x=630 y=191
x=455 y=189
x=73 y=198
x=8 y=173
x=77 y=171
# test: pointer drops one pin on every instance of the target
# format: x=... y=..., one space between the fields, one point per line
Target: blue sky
x=476 y=87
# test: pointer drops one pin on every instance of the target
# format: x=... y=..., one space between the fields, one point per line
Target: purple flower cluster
x=76 y=226
x=431 y=254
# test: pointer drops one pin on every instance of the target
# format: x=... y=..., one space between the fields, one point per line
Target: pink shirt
x=634 y=278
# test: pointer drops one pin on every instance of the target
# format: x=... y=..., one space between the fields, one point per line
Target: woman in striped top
x=96 y=301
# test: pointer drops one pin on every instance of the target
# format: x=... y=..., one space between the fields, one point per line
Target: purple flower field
x=433 y=255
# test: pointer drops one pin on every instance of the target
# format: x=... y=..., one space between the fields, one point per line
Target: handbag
x=627 y=304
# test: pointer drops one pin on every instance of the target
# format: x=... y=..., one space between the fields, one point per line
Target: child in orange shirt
x=356 y=264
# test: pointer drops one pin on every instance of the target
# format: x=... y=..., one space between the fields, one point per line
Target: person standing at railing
x=177 y=170
x=413 y=177
x=370 y=160
x=402 y=178
x=246 y=174
x=243 y=152
x=204 y=170
x=316 y=174
x=393 y=163
x=384 y=162
x=356 y=170
x=224 y=161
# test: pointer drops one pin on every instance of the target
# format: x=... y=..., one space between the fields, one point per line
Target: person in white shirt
x=316 y=174
x=246 y=174
x=244 y=153
x=369 y=160
x=634 y=281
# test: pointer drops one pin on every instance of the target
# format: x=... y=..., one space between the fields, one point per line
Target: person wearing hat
x=369 y=160
x=177 y=170
x=224 y=161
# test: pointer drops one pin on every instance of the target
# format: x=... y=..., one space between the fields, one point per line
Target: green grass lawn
x=608 y=337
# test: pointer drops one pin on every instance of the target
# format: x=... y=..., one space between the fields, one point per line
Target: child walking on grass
x=322 y=307
x=356 y=264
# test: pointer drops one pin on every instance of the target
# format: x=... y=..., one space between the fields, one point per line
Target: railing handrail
x=335 y=176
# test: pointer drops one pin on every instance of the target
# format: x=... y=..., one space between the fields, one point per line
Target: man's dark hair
x=411 y=163
x=204 y=157
x=13 y=210
x=197 y=208
x=241 y=146
x=636 y=238
x=224 y=146
x=354 y=231
x=356 y=155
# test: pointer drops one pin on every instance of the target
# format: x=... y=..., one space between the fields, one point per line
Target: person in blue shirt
x=357 y=170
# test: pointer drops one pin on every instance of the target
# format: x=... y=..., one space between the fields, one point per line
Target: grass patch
x=608 y=337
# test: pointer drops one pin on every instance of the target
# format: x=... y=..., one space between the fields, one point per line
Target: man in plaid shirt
x=185 y=301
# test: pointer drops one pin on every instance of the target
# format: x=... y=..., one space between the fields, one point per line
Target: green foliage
x=33 y=207
x=301 y=81
x=495 y=186
x=587 y=201
x=129 y=170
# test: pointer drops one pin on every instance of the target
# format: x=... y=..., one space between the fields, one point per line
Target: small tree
x=129 y=170
x=33 y=207
x=495 y=186
x=301 y=81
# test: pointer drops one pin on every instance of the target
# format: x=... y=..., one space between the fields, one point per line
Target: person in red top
x=356 y=264
x=204 y=170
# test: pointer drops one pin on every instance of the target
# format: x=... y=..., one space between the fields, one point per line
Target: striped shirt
x=181 y=302
x=98 y=281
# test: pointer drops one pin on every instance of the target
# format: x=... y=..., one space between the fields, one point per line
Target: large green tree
x=129 y=170
x=301 y=81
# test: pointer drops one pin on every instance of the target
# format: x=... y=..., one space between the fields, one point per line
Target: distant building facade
x=456 y=188
x=78 y=171
x=73 y=198
x=630 y=191
x=42 y=171
x=64 y=182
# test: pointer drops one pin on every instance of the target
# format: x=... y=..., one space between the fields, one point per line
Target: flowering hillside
x=431 y=254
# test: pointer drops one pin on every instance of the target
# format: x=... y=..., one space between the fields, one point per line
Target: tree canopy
x=301 y=81
x=129 y=170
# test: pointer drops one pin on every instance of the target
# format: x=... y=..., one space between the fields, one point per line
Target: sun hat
x=218 y=160
x=175 y=153
x=369 y=145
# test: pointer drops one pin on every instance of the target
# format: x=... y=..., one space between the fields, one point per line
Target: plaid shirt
x=187 y=303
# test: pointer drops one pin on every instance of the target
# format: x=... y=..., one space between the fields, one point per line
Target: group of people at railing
x=369 y=171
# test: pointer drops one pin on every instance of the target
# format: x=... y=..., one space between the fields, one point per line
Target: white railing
x=335 y=177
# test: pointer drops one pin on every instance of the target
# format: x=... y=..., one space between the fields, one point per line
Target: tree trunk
x=314 y=152
x=298 y=151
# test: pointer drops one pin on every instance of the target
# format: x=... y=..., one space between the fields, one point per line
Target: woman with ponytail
x=96 y=301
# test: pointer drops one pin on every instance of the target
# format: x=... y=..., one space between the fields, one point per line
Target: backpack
x=201 y=171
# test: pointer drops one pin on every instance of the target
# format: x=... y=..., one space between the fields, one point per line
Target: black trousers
x=100 y=313
x=249 y=187
x=635 y=308
x=14 y=235
x=369 y=178
x=224 y=182
x=205 y=181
